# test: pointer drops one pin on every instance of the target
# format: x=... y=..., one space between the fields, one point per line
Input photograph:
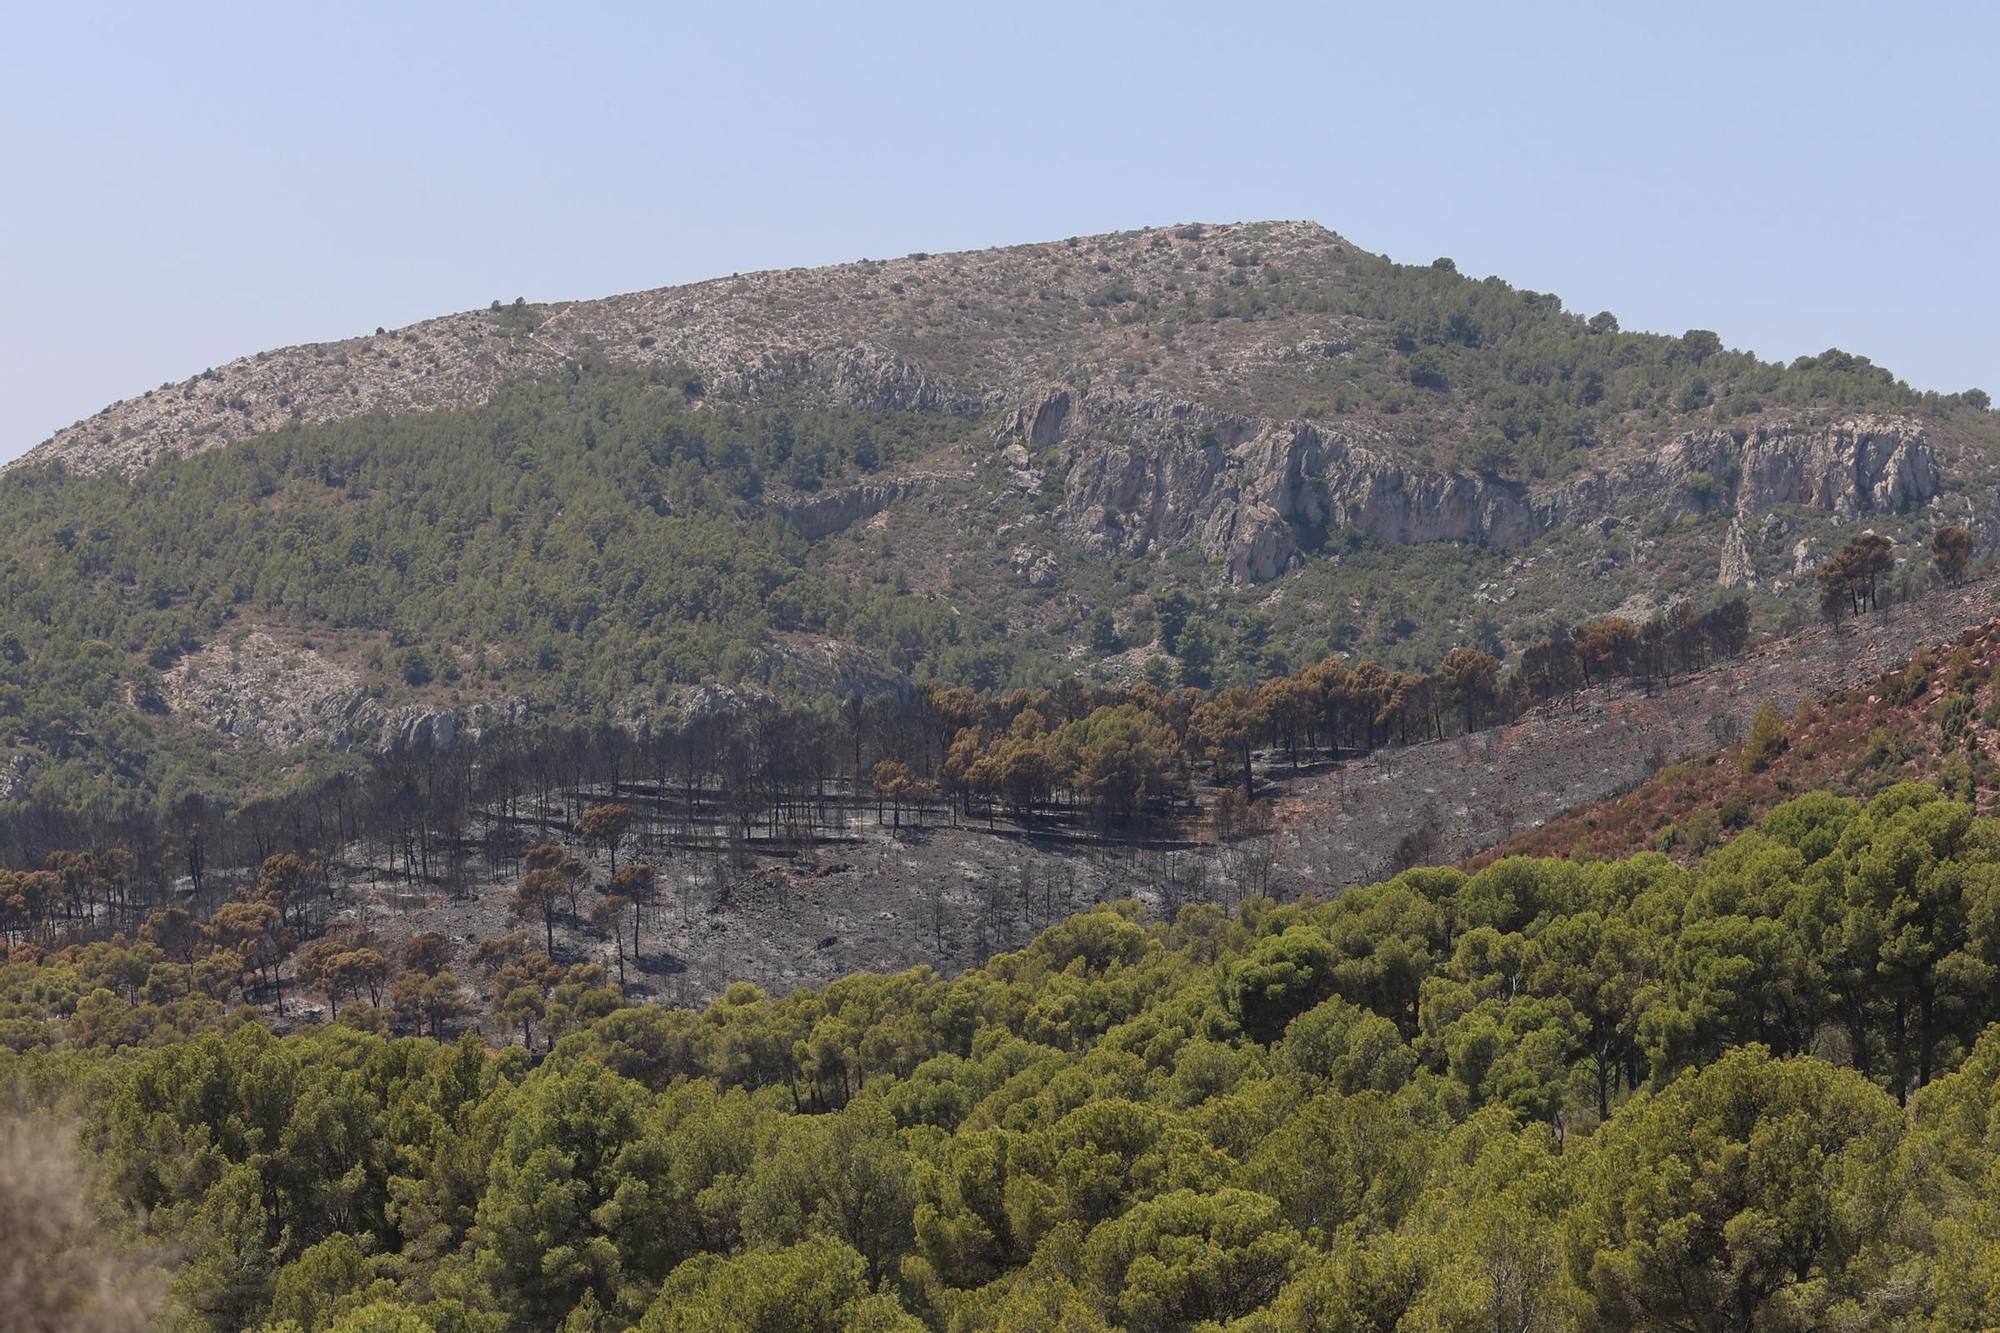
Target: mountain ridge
x=1240 y=391
x=506 y=340
x=864 y=333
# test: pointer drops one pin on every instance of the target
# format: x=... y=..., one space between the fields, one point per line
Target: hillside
x=1552 y=1096
x=1933 y=716
x=992 y=468
x=1560 y=780
x=924 y=795
x=985 y=818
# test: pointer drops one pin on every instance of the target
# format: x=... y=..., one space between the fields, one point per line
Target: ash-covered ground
x=874 y=896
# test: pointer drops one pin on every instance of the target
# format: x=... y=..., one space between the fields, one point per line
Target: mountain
x=992 y=468
x=924 y=795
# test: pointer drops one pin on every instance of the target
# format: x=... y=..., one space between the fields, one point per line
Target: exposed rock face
x=1257 y=495
x=1871 y=465
x=857 y=375
x=1036 y=567
x=14 y=771
x=1044 y=425
x=870 y=376
x=1738 y=569
x=829 y=512
x=265 y=690
x=415 y=729
x=272 y=694
x=420 y=729
x=833 y=668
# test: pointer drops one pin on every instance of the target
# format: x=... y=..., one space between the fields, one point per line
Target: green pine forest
x=1753 y=1092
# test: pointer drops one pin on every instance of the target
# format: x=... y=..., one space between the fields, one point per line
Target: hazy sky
x=185 y=184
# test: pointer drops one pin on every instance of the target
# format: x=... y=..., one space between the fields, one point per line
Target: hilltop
x=1273 y=321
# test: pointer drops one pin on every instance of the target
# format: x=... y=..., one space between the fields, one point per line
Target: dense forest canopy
x=1752 y=1093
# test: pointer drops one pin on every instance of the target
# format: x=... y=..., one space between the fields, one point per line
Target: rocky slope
x=1074 y=347
x=259 y=689
x=1865 y=715
x=1258 y=495
x=1551 y=781
x=949 y=333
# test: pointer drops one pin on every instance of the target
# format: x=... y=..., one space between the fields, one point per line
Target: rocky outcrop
x=418 y=730
x=1259 y=504
x=14 y=773
x=869 y=376
x=262 y=689
x=1374 y=494
x=279 y=695
x=1738 y=570
x=822 y=515
x=1036 y=567
x=1043 y=423
x=1869 y=465
x=426 y=729
x=796 y=664
x=860 y=374
x=1256 y=496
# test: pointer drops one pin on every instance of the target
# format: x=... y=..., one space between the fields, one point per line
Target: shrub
x=416 y=668
x=1769 y=738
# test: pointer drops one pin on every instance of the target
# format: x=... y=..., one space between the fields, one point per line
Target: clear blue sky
x=188 y=183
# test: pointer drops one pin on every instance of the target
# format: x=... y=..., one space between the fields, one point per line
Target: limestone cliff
x=1869 y=465
x=1258 y=495
x=1739 y=569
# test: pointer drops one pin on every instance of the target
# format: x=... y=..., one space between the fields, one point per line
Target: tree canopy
x=1751 y=1092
